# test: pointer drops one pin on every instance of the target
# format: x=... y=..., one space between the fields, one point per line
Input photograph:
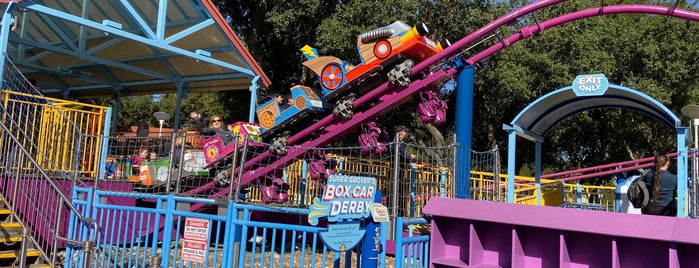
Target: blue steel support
x=253 y=99
x=40 y=9
x=443 y=181
x=304 y=181
x=681 y=171
x=511 y=147
x=537 y=171
x=167 y=231
x=115 y=114
x=382 y=238
x=5 y=35
x=243 y=235
x=105 y=144
x=77 y=234
x=231 y=229
x=181 y=93
x=464 y=121
x=617 y=191
x=399 y=251
x=578 y=193
x=370 y=251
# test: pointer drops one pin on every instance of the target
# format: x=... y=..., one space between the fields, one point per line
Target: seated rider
x=138 y=160
x=215 y=127
x=289 y=101
x=281 y=102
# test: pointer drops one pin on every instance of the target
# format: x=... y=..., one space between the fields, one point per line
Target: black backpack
x=638 y=193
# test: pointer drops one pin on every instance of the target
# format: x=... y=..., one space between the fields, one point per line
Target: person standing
x=401 y=174
x=402 y=132
x=662 y=186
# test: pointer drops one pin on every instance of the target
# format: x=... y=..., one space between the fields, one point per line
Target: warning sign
x=194 y=251
x=196 y=240
x=196 y=229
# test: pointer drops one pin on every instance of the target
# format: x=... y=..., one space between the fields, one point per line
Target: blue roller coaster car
x=272 y=117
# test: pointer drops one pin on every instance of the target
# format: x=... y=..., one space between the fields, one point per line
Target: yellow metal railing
x=603 y=196
x=552 y=193
x=438 y=181
x=54 y=130
x=429 y=182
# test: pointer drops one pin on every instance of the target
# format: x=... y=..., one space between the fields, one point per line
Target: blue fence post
x=371 y=248
x=231 y=232
x=620 y=180
x=167 y=231
x=413 y=188
x=382 y=238
x=578 y=193
x=243 y=235
x=399 y=242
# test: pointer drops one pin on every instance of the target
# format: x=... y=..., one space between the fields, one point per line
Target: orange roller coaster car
x=387 y=54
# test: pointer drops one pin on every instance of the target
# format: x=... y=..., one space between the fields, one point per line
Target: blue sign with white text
x=342 y=236
x=346 y=200
x=344 y=197
x=590 y=85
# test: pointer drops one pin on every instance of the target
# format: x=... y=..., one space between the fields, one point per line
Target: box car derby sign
x=345 y=200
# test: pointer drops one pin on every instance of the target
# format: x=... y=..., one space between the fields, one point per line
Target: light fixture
x=161 y=116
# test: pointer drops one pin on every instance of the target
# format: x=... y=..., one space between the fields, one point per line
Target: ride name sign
x=346 y=200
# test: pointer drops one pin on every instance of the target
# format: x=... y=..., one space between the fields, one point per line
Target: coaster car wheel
x=267 y=119
x=332 y=76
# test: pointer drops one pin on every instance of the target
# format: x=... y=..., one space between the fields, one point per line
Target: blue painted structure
x=534 y=121
x=464 y=125
x=272 y=116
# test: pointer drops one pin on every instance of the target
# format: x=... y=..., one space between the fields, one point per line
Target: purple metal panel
x=582 y=238
x=454 y=236
x=37 y=203
x=625 y=225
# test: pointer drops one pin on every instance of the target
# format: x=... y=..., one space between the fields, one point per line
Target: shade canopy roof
x=80 y=49
x=540 y=116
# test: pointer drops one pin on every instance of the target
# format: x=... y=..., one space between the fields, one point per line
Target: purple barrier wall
x=468 y=233
x=37 y=203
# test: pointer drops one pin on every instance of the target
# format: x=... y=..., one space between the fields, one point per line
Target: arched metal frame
x=534 y=122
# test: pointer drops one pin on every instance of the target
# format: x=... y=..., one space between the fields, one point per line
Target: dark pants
x=661 y=210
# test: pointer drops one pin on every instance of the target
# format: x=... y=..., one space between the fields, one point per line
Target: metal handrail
x=62 y=196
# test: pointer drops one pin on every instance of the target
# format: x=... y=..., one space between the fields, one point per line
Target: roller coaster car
x=273 y=117
x=390 y=50
x=215 y=149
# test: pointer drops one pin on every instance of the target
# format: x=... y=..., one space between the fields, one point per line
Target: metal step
x=10 y=232
x=11 y=239
x=41 y=265
x=15 y=253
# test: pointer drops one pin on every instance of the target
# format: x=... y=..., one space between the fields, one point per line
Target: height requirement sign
x=346 y=200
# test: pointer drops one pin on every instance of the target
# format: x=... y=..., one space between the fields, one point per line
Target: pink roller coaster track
x=604 y=170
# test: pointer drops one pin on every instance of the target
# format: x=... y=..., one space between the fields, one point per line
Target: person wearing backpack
x=662 y=186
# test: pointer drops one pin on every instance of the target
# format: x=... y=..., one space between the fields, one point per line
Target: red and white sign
x=196 y=240
x=194 y=251
x=196 y=229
